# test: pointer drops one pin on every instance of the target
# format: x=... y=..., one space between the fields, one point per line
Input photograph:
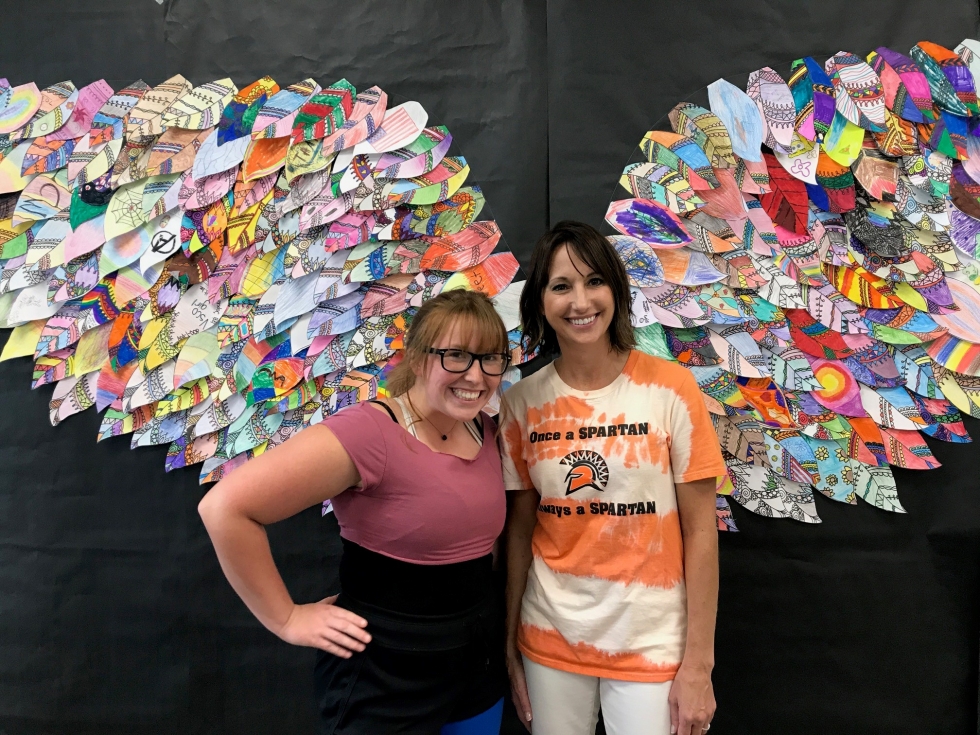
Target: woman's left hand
x=692 y=700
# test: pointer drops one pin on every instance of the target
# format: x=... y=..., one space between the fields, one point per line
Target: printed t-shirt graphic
x=605 y=593
x=588 y=469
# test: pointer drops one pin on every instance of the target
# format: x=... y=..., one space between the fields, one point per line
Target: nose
x=580 y=299
x=475 y=372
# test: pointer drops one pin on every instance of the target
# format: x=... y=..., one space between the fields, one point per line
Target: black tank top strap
x=477 y=420
x=386 y=407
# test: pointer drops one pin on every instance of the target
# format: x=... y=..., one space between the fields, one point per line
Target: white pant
x=568 y=704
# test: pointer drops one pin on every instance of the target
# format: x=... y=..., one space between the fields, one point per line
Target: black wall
x=114 y=616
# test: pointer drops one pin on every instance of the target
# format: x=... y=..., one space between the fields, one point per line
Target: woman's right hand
x=325 y=626
x=518 y=685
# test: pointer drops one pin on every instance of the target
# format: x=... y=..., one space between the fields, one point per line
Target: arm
x=308 y=469
x=692 y=698
x=521 y=519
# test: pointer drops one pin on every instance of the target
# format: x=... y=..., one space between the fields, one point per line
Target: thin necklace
x=426 y=418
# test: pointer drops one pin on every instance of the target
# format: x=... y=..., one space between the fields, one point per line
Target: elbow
x=221 y=511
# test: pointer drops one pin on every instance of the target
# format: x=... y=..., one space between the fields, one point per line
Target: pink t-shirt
x=415 y=504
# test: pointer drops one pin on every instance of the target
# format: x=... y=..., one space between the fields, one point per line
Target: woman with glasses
x=612 y=556
x=410 y=645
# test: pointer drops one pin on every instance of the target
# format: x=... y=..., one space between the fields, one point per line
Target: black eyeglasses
x=459 y=361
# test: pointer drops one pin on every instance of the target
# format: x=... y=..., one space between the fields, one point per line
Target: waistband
x=407 y=632
x=416 y=589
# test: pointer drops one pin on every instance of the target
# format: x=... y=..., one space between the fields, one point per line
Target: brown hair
x=595 y=251
x=434 y=319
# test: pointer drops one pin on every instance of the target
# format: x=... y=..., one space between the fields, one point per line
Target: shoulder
x=363 y=413
x=366 y=408
x=385 y=407
x=530 y=390
x=648 y=370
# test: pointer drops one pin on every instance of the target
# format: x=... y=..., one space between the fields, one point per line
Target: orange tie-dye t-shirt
x=605 y=592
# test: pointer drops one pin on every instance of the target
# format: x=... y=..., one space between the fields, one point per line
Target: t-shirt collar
x=563 y=388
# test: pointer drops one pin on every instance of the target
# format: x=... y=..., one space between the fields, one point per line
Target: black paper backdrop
x=114 y=616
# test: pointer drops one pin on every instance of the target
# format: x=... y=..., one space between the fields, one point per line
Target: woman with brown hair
x=611 y=541
x=416 y=485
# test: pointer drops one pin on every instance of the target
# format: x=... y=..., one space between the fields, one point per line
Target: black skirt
x=420 y=671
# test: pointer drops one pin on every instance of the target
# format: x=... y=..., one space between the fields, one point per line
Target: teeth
x=466 y=395
x=582 y=322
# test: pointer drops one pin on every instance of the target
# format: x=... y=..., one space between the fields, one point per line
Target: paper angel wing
x=845 y=327
x=217 y=269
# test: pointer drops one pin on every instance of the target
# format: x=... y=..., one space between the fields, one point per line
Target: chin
x=585 y=338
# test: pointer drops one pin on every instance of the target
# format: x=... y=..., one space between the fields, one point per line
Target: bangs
x=491 y=337
x=587 y=254
x=483 y=325
x=470 y=315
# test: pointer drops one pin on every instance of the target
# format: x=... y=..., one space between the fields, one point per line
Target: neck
x=438 y=420
x=590 y=367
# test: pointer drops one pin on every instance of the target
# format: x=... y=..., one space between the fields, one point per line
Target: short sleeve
x=511 y=441
x=359 y=431
x=694 y=450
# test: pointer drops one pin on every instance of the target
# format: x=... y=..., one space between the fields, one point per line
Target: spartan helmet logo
x=585 y=469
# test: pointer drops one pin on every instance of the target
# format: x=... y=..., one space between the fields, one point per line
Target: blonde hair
x=474 y=313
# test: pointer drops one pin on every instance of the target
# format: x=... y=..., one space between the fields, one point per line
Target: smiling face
x=459 y=396
x=577 y=302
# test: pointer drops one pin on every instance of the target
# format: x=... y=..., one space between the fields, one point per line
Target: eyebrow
x=565 y=278
x=467 y=349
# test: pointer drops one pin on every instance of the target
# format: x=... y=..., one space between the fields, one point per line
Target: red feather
x=786 y=205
